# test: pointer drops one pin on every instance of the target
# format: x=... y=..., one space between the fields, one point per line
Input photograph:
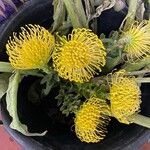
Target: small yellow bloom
x=124 y=96
x=137 y=41
x=79 y=57
x=91 y=120
x=31 y=49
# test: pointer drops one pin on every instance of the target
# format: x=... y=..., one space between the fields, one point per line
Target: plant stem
x=31 y=73
x=141 y=120
x=46 y=69
x=72 y=14
x=143 y=80
x=136 y=66
x=139 y=72
x=6 y=67
x=131 y=13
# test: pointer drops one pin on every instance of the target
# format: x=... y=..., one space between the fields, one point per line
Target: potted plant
x=66 y=86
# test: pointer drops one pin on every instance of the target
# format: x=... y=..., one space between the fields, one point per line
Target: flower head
x=91 y=120
x=124 y=96
x=31 y=49
x=79 y=57
x=137 y=41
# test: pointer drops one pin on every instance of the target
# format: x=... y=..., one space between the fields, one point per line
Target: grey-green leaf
x=4 y=78
x=59 y=15
x=11 y=100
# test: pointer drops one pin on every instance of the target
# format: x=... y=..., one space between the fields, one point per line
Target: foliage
x=11 y=99
x=69 y=99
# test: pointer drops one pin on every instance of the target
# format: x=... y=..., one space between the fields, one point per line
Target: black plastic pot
x=37 y=117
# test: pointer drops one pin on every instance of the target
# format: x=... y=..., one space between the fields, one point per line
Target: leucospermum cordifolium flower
x=124 y=96
x=79 y=57
x=91 y=120
x=137 y=41
x=31 y=49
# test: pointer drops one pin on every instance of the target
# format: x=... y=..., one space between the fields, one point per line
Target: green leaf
x=79 y=9
x=72 y=14
x=68 y=99
x=102 y=36
x=59 y=10
x=114 y=35
x=6 y=67
x=111 y=63
x=11 y=100
x=4 y=79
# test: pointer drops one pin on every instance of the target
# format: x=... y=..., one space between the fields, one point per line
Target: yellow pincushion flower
x=124 y=96
x=137 y=40
x=91 y=120
x=79 y=57
x=31 y=49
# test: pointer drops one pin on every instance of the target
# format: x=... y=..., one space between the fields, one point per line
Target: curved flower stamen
x=79 y=57
x=31 y=49
x=91 y=120
x=137 y=41
x=124 y=96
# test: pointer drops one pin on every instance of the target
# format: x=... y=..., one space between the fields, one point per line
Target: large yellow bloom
x=137 y=40
x=31 y=49
x=91 y=120
x=124 y=96
x=79 y=57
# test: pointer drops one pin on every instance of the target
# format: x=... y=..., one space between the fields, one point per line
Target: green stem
x=143 y=80
x=31 y=73
x=141 y=120
x=6 y=67
x=136 y=66
x=46 y=69
x=134 y=73
x=131 y=13
x=72 y=14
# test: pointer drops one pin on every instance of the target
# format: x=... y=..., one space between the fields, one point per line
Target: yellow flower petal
x=79 y=57
x=137 y=40
x=31 y=49
x=124 y=96
x=91 y=120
